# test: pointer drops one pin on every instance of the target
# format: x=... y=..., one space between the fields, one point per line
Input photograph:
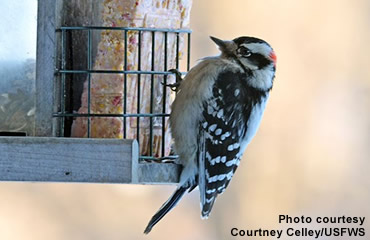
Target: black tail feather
x=166 y=207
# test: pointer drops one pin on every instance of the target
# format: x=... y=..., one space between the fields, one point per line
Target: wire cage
x=65 y=113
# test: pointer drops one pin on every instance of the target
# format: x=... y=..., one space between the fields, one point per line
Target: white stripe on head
x=261 y=48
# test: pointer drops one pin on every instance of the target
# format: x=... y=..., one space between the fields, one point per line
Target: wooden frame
x=47 y=159
x=45 y=67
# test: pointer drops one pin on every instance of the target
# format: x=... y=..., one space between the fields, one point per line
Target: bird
x=217 y=111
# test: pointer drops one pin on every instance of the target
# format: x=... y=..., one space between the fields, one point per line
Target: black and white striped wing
x=223 y=133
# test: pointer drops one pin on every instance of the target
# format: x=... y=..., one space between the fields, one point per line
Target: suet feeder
x=102 y=106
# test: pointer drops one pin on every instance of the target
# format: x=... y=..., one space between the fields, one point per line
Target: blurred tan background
x=310 y=157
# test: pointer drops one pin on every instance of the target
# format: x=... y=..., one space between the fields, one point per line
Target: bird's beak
x=220 y=43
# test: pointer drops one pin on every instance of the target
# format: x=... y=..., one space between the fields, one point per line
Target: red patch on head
x=273 y=57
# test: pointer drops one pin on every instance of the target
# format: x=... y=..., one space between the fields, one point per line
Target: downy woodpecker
x=216 y=113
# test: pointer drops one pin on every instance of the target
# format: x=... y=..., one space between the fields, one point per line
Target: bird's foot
x=175 y=86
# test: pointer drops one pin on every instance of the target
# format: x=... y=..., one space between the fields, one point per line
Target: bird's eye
x=245 y=52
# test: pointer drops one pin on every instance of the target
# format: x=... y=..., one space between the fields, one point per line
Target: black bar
x=188 y=58
x=138 y=88
x=150 y=115
x=125 y=88
x=12 y=134
x=172 y=157
x=164 y=98
x=177 y=50
x=63 y=71
x=89 y=63
x=152 y=97
x=126 y=29
x=63 y=83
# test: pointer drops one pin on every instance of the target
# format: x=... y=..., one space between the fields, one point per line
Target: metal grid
x=61 y=114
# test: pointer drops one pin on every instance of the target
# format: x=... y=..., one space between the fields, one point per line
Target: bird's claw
x=175 y=86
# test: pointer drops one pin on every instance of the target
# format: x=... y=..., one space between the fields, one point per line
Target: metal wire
x=164 y=98
x=65 y=71
x=138 y=88
x=62 y=72
x=169 y=30
x=177 y=50
x=125 y=87
x=188 y=50
x=152 y=98
x=89 y=63
x=60 y=114
x=63 y=81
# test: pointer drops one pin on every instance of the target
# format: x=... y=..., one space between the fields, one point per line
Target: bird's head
x=253 y=54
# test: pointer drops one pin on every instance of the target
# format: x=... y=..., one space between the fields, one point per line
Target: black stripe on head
x=259 y=60
x=241 y=40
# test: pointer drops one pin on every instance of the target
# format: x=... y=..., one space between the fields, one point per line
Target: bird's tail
x=166 y=207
